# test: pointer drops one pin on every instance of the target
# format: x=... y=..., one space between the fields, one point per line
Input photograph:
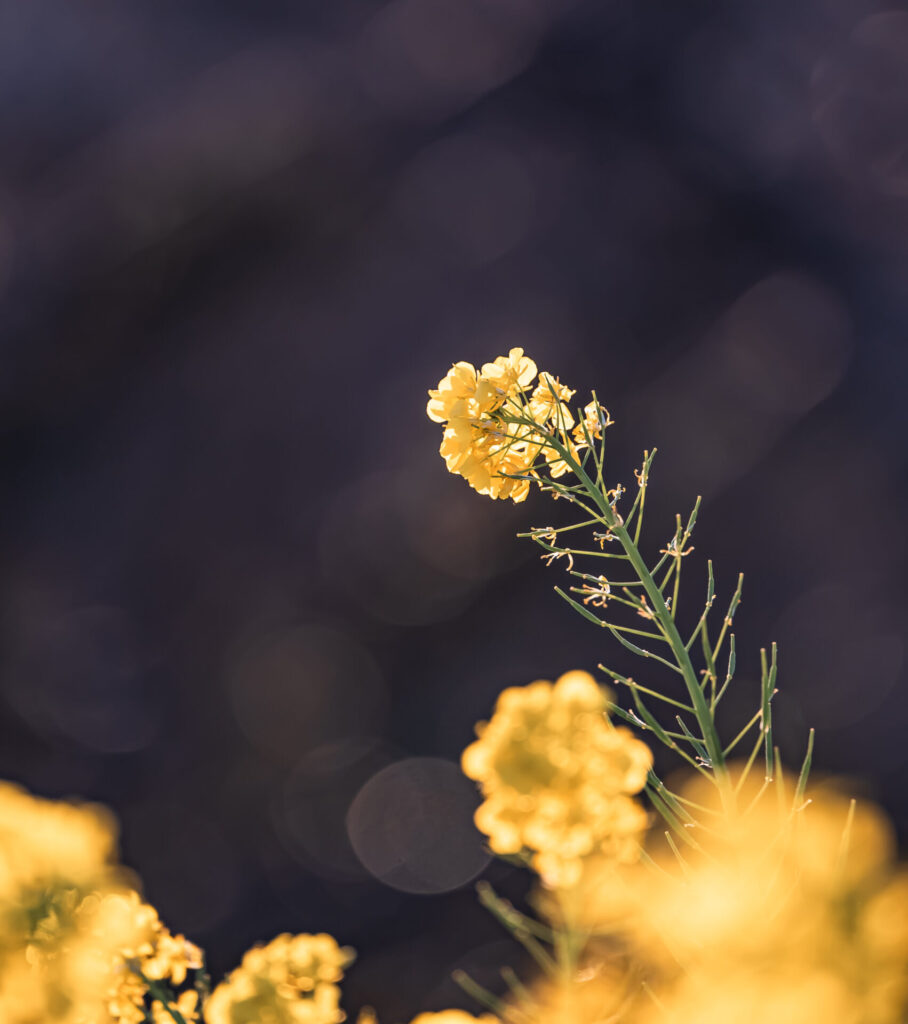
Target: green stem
x=663 y=616
x=612 y=521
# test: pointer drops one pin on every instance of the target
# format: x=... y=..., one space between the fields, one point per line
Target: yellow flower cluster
x=292 y=980
x=440 y=1017
x=500 y=430
x=452 y=1017
x=789 y=915
x=557 y=777
x=72 y=933
x=156 y=955
x=58 y=940
x=47 y=839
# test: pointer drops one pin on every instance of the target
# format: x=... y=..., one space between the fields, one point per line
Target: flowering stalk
x=504 y=435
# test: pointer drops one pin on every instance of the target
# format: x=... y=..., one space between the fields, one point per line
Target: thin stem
x=682 y=655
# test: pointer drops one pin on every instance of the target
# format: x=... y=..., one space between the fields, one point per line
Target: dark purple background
x=239 y=241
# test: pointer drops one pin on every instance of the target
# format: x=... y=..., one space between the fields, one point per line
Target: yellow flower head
x=153 y=953
x=292 y=980
x=511 y=373
x=453 y=1017
x=72 y=934
x=557 y=777
x=462 y=394
x=48 y=839
x=549 y=402
x=779 y=911
x=499 y=430
x=595 y=419
x=58 y=945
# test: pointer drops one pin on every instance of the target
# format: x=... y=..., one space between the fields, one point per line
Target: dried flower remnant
x=291 y=980
x=558 y=777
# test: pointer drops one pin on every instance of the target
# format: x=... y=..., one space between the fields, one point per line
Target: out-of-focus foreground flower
x=784 y=913
x=72 y=933
x=498 y=427
x=558 y=777
x=292 y=980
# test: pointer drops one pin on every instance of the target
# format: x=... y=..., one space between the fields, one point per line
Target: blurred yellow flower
x=785 y=913
x=47 y=839
x=602 y=993
x=154 y=954
x=58 y=943
x=557 y=777
x=72 y=933
x=453 y=1017
x=292 y=980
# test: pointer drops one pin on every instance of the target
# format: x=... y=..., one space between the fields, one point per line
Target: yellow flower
x=292 y=980
x=555 y=461
x=153 y=953
x=488 y=454
x=453 y=1017
x=548 y=403
x=70 y=929
x=187 y=1005
x=511 y=373
x=557 y=777
x=779 y=913
x=597 y=994
x=58 y=951
x=493 y=433
x=44 y=839
x=461 y=394
x=593 y=421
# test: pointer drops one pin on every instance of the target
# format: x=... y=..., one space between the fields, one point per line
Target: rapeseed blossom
x=75 y=940
x=452 y=1017
x=47 y=839
x=291 y=980
x=58 y=941
x=153 y=955
x=501 y=432
x=558 y=777
x=776 y=912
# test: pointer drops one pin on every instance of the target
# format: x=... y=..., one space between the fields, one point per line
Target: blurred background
x=241 y=601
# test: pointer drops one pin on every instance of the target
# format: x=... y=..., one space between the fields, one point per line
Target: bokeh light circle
x=411 y=825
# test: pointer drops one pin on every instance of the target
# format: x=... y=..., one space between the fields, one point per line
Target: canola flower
x=499 y=428
x=152 y=957
x=791 y=911
x=59 y=941
x=76 y=944
x=558 y=777
x=368 y=1016
x=758 y=897
x=452 y=1017
x=766 y=900
x=291 y=980
x=804 y=901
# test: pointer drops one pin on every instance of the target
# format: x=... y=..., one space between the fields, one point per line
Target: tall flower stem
x=704 y=716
